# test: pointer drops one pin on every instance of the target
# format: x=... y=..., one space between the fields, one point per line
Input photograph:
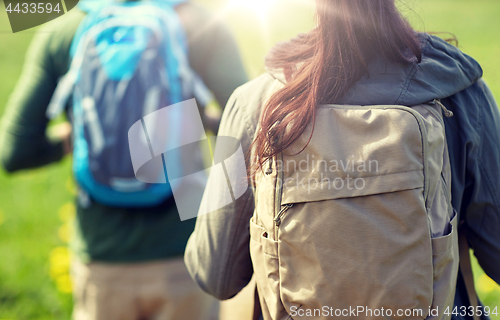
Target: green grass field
x=35 y=206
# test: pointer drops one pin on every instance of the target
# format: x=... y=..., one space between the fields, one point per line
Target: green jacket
x=103 y=233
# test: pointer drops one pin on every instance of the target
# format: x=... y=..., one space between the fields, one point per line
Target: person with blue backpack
x=110 y=65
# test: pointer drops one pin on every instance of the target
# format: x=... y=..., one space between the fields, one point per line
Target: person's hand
x=62 y=131
x=212 y=114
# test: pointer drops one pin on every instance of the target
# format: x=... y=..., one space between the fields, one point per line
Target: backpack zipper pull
x=270 y=169
x=447 y=113
x=277 y=220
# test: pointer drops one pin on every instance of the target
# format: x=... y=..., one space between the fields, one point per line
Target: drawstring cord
x=447 y=113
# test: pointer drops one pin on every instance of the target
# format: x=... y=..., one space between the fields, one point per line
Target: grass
x=34 y=209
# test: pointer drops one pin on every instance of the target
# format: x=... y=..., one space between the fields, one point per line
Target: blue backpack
x=129 y=59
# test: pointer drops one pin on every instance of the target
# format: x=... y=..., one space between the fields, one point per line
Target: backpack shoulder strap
x=466 y=270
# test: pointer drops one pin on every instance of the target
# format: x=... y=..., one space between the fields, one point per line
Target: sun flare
x=261 y=7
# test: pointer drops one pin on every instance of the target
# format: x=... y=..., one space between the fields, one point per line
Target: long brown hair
x=320 y=66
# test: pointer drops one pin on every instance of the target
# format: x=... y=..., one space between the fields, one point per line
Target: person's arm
x=217 y=254
x=481 y=212
x=213 y=52
x=24 y=142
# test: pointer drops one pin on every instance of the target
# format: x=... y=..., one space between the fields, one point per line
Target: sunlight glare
x=261 y=7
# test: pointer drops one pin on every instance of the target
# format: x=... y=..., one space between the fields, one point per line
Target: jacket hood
x=443 y=71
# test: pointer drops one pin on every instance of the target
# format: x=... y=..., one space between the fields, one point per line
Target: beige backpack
x=359 y=225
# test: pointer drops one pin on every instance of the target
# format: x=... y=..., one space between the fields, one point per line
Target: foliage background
x=36 y=206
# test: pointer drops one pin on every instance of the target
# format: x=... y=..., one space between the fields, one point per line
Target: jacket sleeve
x=474 y=141
x=217 y=254
x=483 y=213
x=24 y=143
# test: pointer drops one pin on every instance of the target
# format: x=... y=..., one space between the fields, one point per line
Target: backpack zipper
x=446 y=193
x=270 y=168
x=447 y=113
x=278 y=196
x=277 y=220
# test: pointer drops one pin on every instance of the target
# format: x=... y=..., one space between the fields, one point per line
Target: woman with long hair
x=361 y=53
